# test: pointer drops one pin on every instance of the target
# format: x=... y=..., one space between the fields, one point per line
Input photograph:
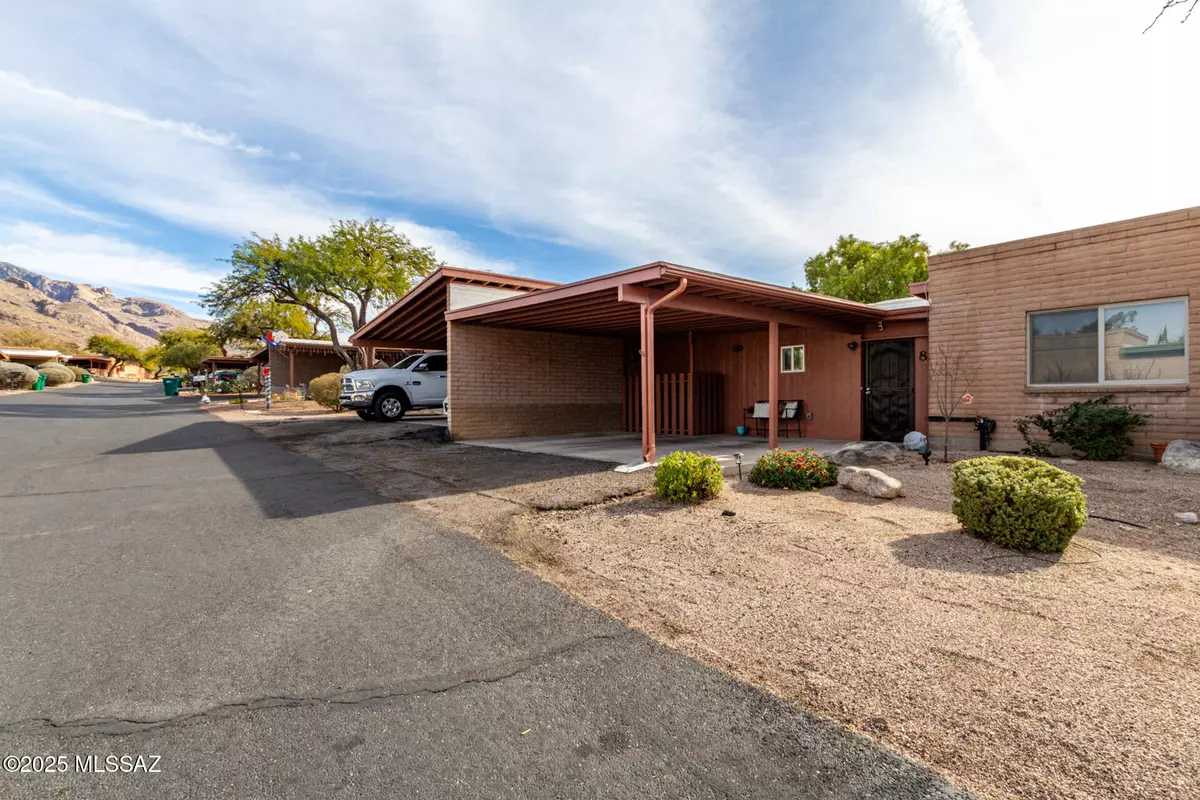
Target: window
x=1143 y=343
x=435 y=364
x=791 y=359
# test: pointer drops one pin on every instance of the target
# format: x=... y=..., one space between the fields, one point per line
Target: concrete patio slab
x=625 y=448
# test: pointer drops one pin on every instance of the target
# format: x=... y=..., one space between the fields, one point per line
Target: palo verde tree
x=120 y=351
x=337 y=277
x=184 y=348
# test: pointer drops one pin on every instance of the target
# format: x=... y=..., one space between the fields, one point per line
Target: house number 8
x=924 y=356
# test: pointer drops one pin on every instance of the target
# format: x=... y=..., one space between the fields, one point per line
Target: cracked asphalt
x=173 y=585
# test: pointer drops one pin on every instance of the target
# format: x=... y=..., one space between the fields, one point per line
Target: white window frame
x=795 y=348
x=1101 y=308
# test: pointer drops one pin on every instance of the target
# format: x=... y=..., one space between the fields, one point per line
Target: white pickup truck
x=386 y=395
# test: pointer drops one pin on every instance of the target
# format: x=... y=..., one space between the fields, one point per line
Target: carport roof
x=711 y=301
x=418 y=319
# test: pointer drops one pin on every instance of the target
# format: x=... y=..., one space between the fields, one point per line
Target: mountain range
x=71 y=312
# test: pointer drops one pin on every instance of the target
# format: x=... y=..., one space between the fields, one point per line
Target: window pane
x=1062 y=347
x=799 y=359
x=785 y=355
x=1145 y=342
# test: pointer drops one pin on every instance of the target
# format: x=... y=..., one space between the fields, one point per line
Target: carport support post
x=647 y=319
x=368 y=357
x=773 y=384
x=292 y=370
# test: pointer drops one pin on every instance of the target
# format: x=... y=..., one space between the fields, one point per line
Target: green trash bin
x=171 y=386
x=40 y=383
x=86 y=377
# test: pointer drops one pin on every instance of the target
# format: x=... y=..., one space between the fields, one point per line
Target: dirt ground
x=257 y=406
x=1014 y=675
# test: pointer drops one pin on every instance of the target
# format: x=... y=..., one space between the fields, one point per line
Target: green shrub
x=77 y=372
x=56 y=374
x=1094 y=429
x=793 y=469
x=324 y=389
x=690 y=477
x=251 y=377
x=16 y=376
x=1017 y=502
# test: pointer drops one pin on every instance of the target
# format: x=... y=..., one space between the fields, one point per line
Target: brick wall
x=506 y=382
x=980 y=298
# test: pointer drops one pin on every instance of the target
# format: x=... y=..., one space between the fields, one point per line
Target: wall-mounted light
x=737 y=348
x=880 y=324
x=853 y=346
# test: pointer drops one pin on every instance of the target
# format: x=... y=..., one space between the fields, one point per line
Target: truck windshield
x=408 y=362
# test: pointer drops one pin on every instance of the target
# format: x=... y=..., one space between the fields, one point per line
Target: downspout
x=648 y=415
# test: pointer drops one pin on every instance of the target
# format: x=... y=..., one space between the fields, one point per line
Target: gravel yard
x=1017 y=676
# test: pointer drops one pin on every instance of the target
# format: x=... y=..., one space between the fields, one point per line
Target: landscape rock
x=870 y=482
x=1182 y=456
x=858 y=453
x=1187 y=517
x=915 y=440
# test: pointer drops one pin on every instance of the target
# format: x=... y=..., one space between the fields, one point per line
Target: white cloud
x=620 y=128
x=99 y=260
x=25 y=197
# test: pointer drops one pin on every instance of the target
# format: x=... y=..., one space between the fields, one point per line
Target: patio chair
x=789 y=412
x=760 y=412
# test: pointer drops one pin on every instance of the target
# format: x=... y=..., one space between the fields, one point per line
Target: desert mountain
x=75 y=311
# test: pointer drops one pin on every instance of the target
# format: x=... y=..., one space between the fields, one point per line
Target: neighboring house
x=295 y=362
x=1030 y=313
x=97 y=365
x=572 y=358
x=31 y=356
x=214 y=363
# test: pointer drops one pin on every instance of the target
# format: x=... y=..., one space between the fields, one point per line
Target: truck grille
x=347 y=385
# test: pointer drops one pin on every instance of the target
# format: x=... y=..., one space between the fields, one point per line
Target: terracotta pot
x=1158 y=448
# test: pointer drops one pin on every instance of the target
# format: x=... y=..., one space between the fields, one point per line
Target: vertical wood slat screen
x=671 y=403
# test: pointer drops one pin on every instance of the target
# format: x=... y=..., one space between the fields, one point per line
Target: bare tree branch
x=1191 y=4
x=951 y=373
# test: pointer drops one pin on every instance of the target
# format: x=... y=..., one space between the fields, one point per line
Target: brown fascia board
x=446 y=275
x=657 y=271
x=1154 y=223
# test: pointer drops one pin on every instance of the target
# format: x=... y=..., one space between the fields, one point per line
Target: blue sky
x=139 y=140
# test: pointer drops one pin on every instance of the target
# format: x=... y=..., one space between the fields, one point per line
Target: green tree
x=251 y=321
x=120 y=351
x=188 y=354
x=337 y=277
x=869 y=272
x=152 y=357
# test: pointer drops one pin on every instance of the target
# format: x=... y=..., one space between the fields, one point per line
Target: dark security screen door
x=889 y=396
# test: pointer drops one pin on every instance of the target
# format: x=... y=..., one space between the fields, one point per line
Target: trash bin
x=171 y=386
x=40 y=383
x=86 y=377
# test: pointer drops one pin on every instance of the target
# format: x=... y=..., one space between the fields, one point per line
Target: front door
x=889 y=394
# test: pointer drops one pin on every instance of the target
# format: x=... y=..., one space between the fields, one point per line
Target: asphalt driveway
x=173 y=585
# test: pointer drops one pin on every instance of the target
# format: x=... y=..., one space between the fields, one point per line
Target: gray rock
x=1182 y=456
x=858 y=453
x=1187 y=517
x=870 y=482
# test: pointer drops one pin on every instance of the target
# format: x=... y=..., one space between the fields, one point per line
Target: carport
x=683 y=348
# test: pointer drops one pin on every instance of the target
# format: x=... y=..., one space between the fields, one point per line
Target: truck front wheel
x=365 y=413
x=389 y=407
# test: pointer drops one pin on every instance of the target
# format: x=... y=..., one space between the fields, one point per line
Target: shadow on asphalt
x=283 y=483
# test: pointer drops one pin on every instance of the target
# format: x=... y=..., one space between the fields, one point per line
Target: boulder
x=1182 y=456
x=858 y=453
x=1187 y=517
x=870 y=482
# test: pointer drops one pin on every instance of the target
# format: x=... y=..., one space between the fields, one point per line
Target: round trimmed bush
x=56 y=374
x=1021 y=503
x=689 y=477
x=793 y=469
x=77 y=372
x=325 y=388
x=250 y=377
x=16 y=376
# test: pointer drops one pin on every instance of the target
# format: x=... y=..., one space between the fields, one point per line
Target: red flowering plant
x=793 y=469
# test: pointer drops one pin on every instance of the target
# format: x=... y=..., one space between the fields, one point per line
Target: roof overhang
x=228 y=361
x=609 y=305
x=418 y=319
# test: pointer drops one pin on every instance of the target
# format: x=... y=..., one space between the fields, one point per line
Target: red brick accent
x=980 y=297
x=506 y=382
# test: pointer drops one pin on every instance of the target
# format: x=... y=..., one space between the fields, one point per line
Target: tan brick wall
x=980 y=298
x=506 y=382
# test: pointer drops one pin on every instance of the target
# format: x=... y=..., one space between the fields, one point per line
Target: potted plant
x=1158 y=448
